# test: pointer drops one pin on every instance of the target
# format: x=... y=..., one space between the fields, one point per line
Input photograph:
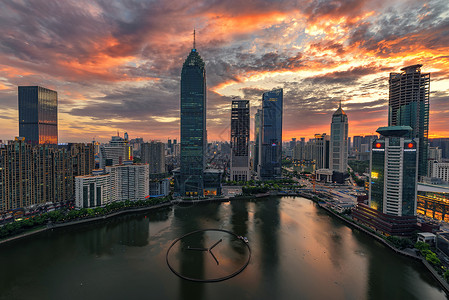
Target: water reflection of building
x=267 y=212
x=239 y=222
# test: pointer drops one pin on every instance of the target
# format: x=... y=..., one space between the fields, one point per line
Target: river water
x=298 y=251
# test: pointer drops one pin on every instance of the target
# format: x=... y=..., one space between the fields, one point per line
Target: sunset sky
x=116 y=64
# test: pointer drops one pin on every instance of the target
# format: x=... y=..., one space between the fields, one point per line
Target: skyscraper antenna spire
x=340 y=103
x=194 y=46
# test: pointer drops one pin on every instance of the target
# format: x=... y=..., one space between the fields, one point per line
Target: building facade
x=240 y=168
x=409 y=106
x=338 y=158
x=257 y=126
x=38 y=115
x=270 y=151
x=193 y=125
x=40 y=174
x=93 y=190
x=153 y=154
x=129 y=181
x=393 y=172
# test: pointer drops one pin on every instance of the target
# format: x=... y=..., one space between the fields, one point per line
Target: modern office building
x=443 y=144
x=270 y=151
x=153 y=154
x=38 y=115
x=338 y=158
x=321 y=150
x=193 y=125
x=240 y=169
x=159 y=187
x=409 y=106
x=393 y=172
x=433 y=201
x=393 y=183
x=257 y=126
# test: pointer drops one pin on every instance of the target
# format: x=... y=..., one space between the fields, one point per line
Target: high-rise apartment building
x=93 y=190
x=193 y=125
x=409 y=106
x=38 y=115
x=240 y=141
x=129 y=181
x=153 y=154
x=40 y=174
x=338 y=158
x=270 y=152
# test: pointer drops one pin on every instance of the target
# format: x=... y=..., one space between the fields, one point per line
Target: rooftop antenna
x=194 y=39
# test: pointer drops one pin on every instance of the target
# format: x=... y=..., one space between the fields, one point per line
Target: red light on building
x=410 y=145
x=378 y=145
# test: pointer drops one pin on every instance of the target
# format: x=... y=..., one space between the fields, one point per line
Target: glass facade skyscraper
x=257 y=125
x=38 y=115
x=270 y=152
x=193 y=125
x=409 y=106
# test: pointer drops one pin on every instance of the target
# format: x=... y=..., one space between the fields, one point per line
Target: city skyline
x=120 y=69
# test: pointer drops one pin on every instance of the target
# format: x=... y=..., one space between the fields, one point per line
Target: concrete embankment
x=84 y=221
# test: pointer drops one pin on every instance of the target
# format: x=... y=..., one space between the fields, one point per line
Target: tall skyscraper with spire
x=409 y=106
x=193 y=124
x=338 y=152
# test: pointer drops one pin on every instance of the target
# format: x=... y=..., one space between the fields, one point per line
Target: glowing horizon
x=116 y=66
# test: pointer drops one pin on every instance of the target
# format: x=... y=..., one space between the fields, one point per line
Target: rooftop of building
x=394 y=131
x=412 y=68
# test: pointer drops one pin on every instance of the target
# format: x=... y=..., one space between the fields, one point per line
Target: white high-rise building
x=93 y=190
x=130 y=181
x=338 y=158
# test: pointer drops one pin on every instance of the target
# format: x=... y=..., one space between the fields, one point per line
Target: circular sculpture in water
x=208 y=255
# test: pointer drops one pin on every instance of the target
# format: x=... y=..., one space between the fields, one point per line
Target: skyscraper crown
x=194 y=59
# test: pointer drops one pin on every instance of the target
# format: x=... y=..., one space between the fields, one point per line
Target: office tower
x=129 y=181
x=393 y=172
x=257 y=131
x=320 y=154
x=409 y=106
x=193 y=125
x=153 y=154
x=270 y=152
x=443 y=144
x=393 y=183
x=38 y=115
x=338 y=160
x=240 y=141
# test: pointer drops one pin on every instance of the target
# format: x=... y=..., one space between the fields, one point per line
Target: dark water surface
x=298 y=252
